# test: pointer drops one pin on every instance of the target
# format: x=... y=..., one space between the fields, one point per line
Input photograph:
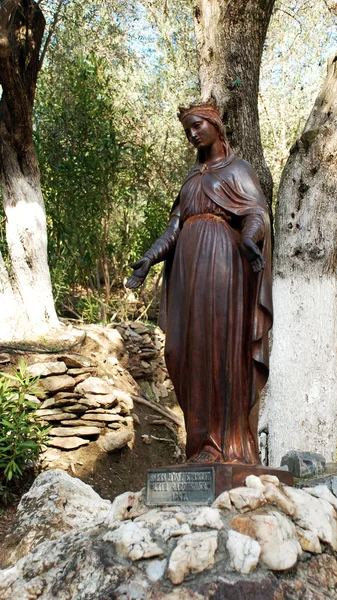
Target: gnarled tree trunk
x=302 y=407
x=27 y=308
x=230 y=35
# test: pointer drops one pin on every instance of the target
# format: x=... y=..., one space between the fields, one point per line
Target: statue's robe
x=215 y=310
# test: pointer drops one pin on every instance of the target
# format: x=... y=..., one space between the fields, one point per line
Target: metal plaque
x=180 y=486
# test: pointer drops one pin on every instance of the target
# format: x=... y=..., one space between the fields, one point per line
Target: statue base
x=201 y=483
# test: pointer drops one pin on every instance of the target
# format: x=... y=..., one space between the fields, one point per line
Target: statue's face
x=200 y=132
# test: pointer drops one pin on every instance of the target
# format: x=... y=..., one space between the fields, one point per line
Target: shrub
x=21 y=436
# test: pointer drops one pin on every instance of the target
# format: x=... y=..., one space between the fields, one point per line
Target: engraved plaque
x=176 y=485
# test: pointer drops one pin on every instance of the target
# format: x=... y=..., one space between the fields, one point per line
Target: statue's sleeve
x=253 y=228
x=162 y=247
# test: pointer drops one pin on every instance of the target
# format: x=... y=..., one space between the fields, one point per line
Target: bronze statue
x=216 y=303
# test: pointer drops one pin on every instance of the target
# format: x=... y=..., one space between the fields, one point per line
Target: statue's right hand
x=141 y=268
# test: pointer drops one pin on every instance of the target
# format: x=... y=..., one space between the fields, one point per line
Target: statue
x=216 y=305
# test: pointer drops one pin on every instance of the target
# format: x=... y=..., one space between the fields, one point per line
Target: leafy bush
x=21 y=436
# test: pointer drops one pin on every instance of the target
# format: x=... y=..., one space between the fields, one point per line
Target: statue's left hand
x=253 y=254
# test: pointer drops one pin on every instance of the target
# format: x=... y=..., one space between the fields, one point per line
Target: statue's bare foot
x=206 y=456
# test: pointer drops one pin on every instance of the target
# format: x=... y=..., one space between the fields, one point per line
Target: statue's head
x=207 y=111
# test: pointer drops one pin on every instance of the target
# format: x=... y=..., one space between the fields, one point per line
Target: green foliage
x=110 y=148
x=21 y=436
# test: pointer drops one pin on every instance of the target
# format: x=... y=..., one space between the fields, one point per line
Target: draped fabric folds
x=215 y=310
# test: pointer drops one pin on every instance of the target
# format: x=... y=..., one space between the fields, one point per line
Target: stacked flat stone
x=80 y=406
x=145 y=347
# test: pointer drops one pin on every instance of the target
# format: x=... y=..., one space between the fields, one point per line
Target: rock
x=171 y=527
x=70 y=431
x=65 y=395
x=55 y=415
x=55 y=504
x=77 y=408
x=308 y=540
x=81 y=371
x=123 y=398
x=244 y=552
x=207 y=517
x=93 y=385
x=111 y=442
x=270 y=479
x=133 y=541
x=194 y=553
x=155 y=569
x=255 y=483
x=276 y=535
x=314 y=514
x=57 y=383
x=44 y=369
x=79 y=378
x=334 y=485
x=321 y=491
x=303 y=464
x=76 y=361
x=126 y=506
x=53 y=403
x=274 y=495
x=67 y=443
x=81 y=422
x=4 y=358
x=103 y=400
x=223 y=502
x=245 y=499
x=105 y=416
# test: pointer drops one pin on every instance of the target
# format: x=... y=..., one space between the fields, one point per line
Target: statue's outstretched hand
x=141 y=268
x=253 y=254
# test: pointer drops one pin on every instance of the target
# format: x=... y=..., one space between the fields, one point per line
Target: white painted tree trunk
x=27 y=307
x=26 y=303
x=302 y=401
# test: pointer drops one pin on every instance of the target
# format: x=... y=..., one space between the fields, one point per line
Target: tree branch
x=51 y=32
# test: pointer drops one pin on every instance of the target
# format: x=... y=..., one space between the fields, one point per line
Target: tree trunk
x=27 y=308
x=230 y=35
x=302 y=408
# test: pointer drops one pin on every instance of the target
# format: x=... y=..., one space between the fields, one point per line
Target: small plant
x=21 y=436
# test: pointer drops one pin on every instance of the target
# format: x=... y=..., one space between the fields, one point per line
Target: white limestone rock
x=132 y=540
x=125 y=506
x=55 y=504
x=308 y=540
x=170 y=527
x=321 y=491
x=111 y=442
x=155 y=569
x=255 y=483
x=315 y=514
x=47 y=368
x=57 y=383
x=274 y=495
x=244 y=552
x=94 y=385
x=223 y=502
x=245 y=499
x=194 y=553
x=206 y=517
x=67 y=443
x=276 y=535
x=270 y=479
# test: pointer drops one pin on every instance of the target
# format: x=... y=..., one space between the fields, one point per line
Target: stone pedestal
x=201 y=483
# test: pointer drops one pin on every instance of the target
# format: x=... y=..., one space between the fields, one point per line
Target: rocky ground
x=263 y=541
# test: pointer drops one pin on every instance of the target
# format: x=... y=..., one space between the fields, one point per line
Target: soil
x=112 y=474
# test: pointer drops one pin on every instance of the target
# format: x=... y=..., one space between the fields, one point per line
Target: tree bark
x=25 y=288
x=230 y=35
x=302 y=409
